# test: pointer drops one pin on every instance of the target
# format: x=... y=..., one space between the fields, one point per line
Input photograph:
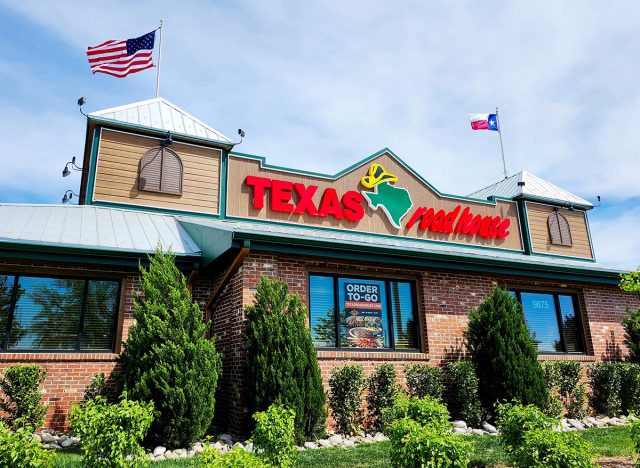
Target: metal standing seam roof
x=158 y=113
x=400 y=244
x=533 y=186
x=95 y=228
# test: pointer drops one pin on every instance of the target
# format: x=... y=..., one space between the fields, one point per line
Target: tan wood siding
x=538 y=216
x=239 y=202
x=116 y=178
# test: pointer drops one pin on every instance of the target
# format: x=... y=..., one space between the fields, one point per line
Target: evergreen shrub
x=111 y=434
x=515 y=420
x=346 y=386
x=605 y=379
x=19 y=449
x=549 y=449
x=275 y=435
x=22 y=389
x=630 y=388
x=383 y=387
x=563 y=380
x=167 y=359
x=424 y=380
x=463 y=402
x=631 y=324
x=282 y=365
x=503 y=353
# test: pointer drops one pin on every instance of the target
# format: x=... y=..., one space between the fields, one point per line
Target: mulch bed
x=616 y=462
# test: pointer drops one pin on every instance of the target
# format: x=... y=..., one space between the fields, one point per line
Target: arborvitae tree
x=630 y=282
x=282 y=365
x=505 y=358
x=168 y=359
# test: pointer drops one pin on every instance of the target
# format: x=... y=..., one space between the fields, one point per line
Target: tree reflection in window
x=59 y=314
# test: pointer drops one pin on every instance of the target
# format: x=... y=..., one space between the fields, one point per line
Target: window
x=559 y=229
x=553 y=321
x=161 y=171
x=371 y=313
x=57 y=314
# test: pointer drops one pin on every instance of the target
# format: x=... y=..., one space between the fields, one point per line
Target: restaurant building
x=388 y=266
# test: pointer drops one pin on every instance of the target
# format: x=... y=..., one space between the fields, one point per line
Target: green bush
x=282 y=365
x=236 y=458
x=111 y=434
x=563 y=380
x=22 y=389
x=424 y=380
x=635 y=436
x=383 y=387
x=515 y=420
x=167 y=359
x=605 y=380
x=549 y=449
x=630 y=388
x=18 y=449
x=463 y=402
x=98 y=387
x=631 y=324
x=413 y=445
x=275 y=435
x=345 y=397
x=426 y=411
x=503 y=353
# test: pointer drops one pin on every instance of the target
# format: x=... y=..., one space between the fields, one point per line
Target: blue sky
x=320 y=86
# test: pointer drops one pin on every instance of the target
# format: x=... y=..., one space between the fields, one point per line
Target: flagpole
x=159 y=60
x=504 y=164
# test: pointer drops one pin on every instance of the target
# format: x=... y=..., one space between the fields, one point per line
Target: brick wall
x=444 y=301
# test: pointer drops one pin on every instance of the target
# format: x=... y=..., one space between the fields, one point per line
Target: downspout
x=192 y=276
x=233 y=268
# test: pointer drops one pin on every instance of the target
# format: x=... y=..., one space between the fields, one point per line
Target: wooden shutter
x=559 y=229
x=161 y=171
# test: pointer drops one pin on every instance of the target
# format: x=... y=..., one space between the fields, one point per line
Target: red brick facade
x=444 y=300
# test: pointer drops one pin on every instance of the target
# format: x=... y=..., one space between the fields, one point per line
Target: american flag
x=121 y=58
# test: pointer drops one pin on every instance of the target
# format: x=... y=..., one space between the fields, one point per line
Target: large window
x=57 y=314
x=553 y=320
x=351 y=312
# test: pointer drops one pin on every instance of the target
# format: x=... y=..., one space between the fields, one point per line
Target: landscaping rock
x=37 y=436
x=53 y=445
x=310 y=445
x=159 y=450
x=380 y=437
x=489 y=428
x=180 y=452
x=459 y=430
x=348 y=443
x=575 y=423
x=47 y=438
x=324 y=443
x=238 y=445
x=225 y=439
x=336 y=439
x=477 y=431
x=459 y=425
x=66 y=443
x=249 y=447
x=169 y=455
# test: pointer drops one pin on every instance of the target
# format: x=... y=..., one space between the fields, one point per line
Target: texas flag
x=484 y=122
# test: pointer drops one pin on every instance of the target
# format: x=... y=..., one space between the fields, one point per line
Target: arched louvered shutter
x=161 y=171
x=559 y=229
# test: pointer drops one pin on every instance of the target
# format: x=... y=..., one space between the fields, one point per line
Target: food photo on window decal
x=363 y=312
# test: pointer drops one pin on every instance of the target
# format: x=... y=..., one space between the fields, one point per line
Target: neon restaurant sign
x=380 y=194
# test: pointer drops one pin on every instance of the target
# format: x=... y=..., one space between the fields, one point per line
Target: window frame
x=387 y=286
x=556 y=301
x=4 y=344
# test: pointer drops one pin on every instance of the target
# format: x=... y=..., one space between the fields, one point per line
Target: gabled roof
x=160 y=114
x=534 y=187
x=94 y=228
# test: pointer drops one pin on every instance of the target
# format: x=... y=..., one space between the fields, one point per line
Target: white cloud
x=321 y=85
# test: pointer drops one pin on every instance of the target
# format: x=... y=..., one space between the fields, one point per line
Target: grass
x=609 y=442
